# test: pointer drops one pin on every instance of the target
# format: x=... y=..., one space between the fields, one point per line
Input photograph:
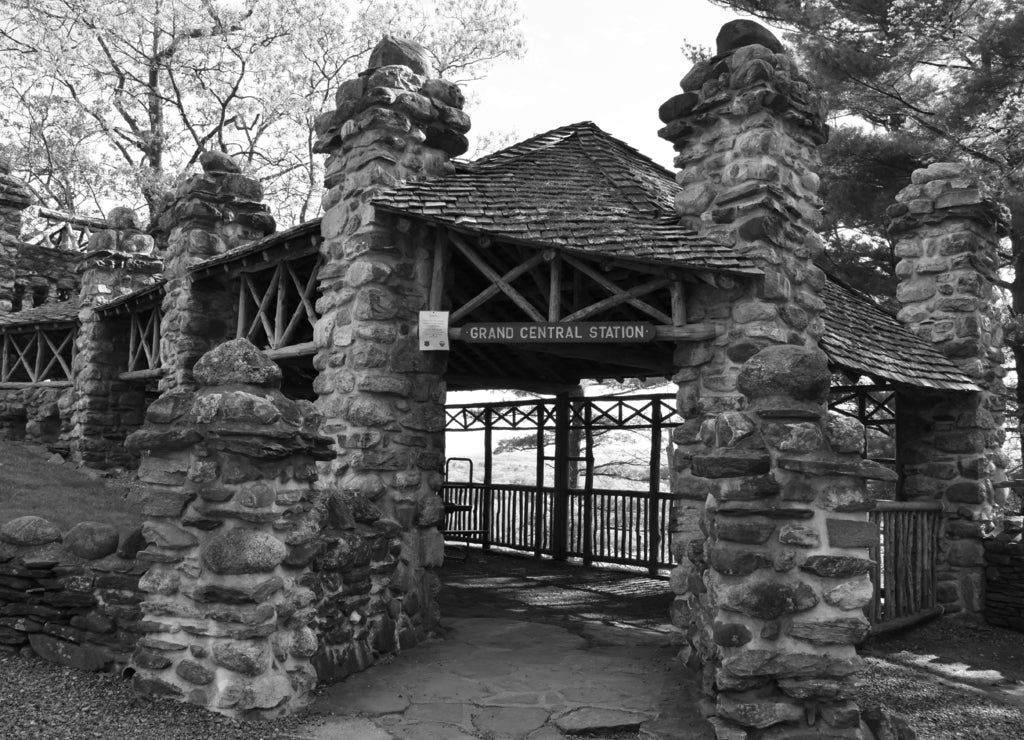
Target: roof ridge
x=637 y=191
x=535 y=143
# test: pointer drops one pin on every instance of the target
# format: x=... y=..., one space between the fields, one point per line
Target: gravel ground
x=41 y=701
x=952 y=679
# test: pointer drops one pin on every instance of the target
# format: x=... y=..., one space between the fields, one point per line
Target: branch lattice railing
x=35 y=354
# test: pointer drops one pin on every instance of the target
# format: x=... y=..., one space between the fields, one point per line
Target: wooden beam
x=293 y=350
x=500 y=282
x=622 y=296
x=555 y=289
x=615 y=289
x=149 y=374
x=493 y=382
x=678 y=302
x=437 y=271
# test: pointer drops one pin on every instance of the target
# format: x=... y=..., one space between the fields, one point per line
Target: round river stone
x=242 y=550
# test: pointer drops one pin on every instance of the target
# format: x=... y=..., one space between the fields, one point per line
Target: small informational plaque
x=434 y=331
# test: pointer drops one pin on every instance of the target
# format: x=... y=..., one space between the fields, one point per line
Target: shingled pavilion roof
x=580 y=188
x=576 y=188
x=862 y=337
x=65 y=312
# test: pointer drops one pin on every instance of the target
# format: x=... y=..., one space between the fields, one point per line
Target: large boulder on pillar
x=786 y=370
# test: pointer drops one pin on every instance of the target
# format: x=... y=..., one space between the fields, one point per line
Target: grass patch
x=62 y=493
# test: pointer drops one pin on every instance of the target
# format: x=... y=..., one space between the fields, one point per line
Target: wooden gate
x=904 y=572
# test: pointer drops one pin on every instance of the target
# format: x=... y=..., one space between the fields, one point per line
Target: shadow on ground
x=530 y=649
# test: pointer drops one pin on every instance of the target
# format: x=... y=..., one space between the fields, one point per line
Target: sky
x=613 y=62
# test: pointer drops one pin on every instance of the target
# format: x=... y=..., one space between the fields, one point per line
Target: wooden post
x=437 y=271
x=588 y=486
x=538 y=510
x=560 y=508
x=654 y=500
x=488 y=464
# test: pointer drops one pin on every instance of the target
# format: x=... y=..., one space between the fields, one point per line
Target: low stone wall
x=40 y=414
x=1004 y=576
x=71 y=598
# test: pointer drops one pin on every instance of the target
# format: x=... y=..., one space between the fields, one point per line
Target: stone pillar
x=14 y=198
x=229 y=473
x=772 y=584
x=947 y=229
x=382 y=398
x=103 y=408
x=212 y=213
x=774 y=594
x=746 y=128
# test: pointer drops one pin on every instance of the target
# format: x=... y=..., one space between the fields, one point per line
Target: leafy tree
x=919 y=82
x=103 y=101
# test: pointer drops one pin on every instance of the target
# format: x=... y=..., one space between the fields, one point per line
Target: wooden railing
x=604 y=525
x=904 y=574
x=37 y=355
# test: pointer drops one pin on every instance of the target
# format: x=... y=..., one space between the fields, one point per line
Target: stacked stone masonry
x=773 y=595
x=14 y=198
x=105 y=409
x=212 y=213
x=771 y=589
x=947 y=229
x=72 y=598
x=746 y=128
x=382 y=398
x=234 y=520
x=1004 y=575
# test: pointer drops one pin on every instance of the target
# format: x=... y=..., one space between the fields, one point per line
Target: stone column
x=771 y=587
x=229 y=473
x=103 y=408
x=947 y=229
x=14 y=198
x=383 y=399
x=212 y=213
x=746 y=128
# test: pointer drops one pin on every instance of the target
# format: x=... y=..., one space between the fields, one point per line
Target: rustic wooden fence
x=604 y=525
x=904 y=574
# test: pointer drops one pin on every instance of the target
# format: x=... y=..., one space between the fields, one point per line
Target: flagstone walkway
x=531 y=650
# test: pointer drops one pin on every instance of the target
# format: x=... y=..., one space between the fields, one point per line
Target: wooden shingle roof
x=862 y=337
x=65 y=312
x=576 y=188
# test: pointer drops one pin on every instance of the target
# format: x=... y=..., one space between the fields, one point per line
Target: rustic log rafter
x=562 y=288
x=45 y=353
x=272 y=315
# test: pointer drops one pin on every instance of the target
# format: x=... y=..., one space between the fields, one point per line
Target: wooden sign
x=569 y=332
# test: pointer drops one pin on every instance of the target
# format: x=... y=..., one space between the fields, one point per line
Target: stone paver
x=516 y=680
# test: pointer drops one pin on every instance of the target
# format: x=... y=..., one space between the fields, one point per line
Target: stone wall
x=947 y=229
x=234 y=523
x=212 y=213
x=383 y=399
x=105 y=409
x=1004 y=575
x=39 y=414
x=44 y=273
x=14 y=198
x=70 y=598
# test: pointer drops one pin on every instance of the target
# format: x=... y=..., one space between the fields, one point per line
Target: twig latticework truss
x=38 y=354
x=276 y=304
x=144 y=338
x=529 y=284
